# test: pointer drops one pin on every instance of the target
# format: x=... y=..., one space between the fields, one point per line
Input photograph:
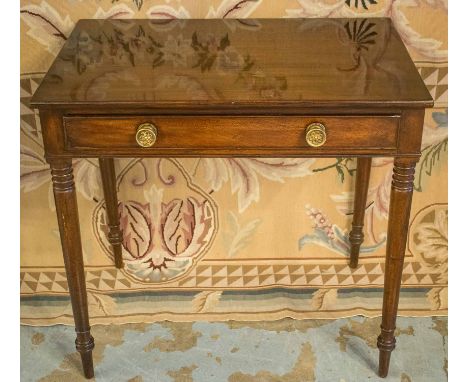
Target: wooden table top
x=262 y=63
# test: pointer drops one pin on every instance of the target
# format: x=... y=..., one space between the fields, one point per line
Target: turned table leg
x=356 y=236
x=112 y=207
x=67 y=216
x=400 y=206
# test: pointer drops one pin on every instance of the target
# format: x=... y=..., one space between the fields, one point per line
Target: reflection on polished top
x=233 y=62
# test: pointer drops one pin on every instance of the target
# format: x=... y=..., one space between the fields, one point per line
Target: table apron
x=230 y=136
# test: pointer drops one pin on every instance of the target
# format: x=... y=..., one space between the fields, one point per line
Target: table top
x=265 y=63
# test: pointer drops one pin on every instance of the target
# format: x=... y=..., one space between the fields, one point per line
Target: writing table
x=232 y=88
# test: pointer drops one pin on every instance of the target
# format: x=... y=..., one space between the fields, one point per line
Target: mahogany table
x=232 y=88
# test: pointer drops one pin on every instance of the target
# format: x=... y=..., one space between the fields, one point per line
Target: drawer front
x=214 y=135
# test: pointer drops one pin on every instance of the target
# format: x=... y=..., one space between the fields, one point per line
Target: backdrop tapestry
x=244 y=254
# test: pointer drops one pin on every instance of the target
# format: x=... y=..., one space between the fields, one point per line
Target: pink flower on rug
x=161 y=240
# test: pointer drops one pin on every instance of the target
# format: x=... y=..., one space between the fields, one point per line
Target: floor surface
x=288 y=350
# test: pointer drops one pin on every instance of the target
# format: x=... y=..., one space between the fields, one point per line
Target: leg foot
x=112 y=208
x=386 y=343
x=384 y=363
x=85 y=344
x=356 y=236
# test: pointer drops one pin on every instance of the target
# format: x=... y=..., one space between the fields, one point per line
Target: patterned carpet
x=288 y=350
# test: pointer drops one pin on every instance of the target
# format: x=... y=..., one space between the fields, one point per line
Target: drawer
x=219 y=135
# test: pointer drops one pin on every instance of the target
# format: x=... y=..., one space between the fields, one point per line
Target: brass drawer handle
x=146 y=135
x=316 y=135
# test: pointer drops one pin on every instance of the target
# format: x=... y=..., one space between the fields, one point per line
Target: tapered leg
x=112 y=205
x=399 y=213
x=67 y=216
x=356 y=236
